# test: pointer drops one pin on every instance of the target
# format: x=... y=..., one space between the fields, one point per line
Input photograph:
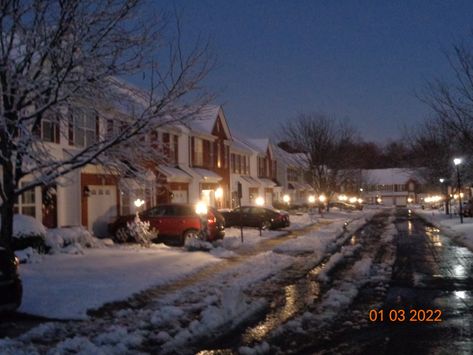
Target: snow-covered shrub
x=28 y=232
x=70 y=239
x=137 y=231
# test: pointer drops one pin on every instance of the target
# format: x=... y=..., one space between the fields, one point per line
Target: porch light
x=342 y=197
x=286 y=198
x=139 y=202
x=259 y=201
x=409 y=200
x=322 y=198
x=219 y=193
x=201 y=208
x=360 y=200
x=379 y=200
x=352 y=200
x=311 y=199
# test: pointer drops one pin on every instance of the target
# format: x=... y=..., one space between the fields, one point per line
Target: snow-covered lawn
x=65 y=286
x=463 y=233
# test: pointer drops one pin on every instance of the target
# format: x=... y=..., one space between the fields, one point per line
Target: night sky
x=357 y=60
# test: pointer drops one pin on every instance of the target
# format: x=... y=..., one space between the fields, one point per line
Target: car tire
x=190 y=233
x=122 y=235
x=265 y=225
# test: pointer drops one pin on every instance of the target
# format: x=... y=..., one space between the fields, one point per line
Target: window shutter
x=176 y=149
x=57 y=135
x=70 y=130
x=192 y=151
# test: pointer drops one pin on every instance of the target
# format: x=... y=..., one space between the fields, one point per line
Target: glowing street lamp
x=286 y=198
x=322 y=198
x=219 y=193
x=259 y=201
x=201 y=208
x=139 y=202
x=311 y=199
x=457 y=162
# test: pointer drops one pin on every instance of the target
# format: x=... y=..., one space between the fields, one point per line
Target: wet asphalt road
x=431 y=272
x=426 y=305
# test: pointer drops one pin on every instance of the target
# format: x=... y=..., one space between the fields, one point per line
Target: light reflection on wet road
x=431 y=272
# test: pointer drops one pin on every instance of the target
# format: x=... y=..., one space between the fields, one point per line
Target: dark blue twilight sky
x=361 y=60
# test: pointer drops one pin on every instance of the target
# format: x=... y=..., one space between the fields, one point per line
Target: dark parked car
x=175 y=222
x=258 y=217
x=11 y=289
x=344 y=206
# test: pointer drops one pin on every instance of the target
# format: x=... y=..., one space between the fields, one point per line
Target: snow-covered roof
x=394 y=176
x=204 y=121
x=207 y=175
x=240 y=144
x=261 y=144
x=291 y=159
x=174 y=174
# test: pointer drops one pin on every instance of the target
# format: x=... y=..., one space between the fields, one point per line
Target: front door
x=49 y=206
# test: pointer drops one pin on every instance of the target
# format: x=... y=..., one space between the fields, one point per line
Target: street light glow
x=322 y=198
x=286 y=198
x=457 y=161
x=201 y=208
x=259 y=201
x=139 y=202
x=311 y=199
x=219 y=193
x=441 y=180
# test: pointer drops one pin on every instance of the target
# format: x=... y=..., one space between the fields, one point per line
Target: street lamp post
x=445 y=191
x=457 y=162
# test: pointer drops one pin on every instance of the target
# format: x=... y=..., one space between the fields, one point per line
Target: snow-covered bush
x=70 y=239
x=137 y=231
x=28 y=232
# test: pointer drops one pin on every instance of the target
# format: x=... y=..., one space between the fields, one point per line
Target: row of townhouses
x=204 y=162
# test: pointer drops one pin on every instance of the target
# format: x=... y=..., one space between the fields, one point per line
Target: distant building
x=391 y=187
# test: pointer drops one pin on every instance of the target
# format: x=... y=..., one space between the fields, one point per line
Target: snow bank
x=462 y=233
x=231 y=309
x=26 y=226
x=71 y=238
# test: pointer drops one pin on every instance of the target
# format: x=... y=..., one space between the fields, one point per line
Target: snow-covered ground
x=67 y=285
x=463 y=233
x=75 y=278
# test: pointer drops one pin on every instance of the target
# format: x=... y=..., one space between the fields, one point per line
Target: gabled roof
x=204 y=121
x=240 y=144
x=291 y=159
x=261 y=144
x=394 y=176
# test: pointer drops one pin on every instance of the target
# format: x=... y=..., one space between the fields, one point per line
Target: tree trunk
x=7 y=209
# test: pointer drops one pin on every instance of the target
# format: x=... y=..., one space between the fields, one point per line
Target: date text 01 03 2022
x=401 y=315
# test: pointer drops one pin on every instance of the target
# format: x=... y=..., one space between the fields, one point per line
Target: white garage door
x=102 y=208
x=179 y=196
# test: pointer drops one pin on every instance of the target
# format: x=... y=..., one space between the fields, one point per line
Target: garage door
x=179 y=196
x=102 y=208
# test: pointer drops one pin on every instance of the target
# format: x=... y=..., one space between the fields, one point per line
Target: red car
x=175 y=222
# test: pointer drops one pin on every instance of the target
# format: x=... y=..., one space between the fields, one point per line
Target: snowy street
x=390 y=281
x=182 y=296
